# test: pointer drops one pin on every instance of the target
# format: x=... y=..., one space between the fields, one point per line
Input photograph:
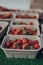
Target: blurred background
x=38 y=4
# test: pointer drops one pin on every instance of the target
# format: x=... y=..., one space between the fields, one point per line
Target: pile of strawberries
x=22 y=44
x=6 y=16
x=22 y=23
x=26 y=17
x=23 y=31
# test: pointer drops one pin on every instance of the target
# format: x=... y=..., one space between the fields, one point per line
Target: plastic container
x=29 y=14
x=6 y=19
x=38 y=11
x=19 y=53
x=33 y=11
x=20 y=26
x=4 y=26
x=27 y=21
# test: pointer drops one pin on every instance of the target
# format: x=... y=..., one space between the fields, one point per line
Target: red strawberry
x=29 y=29
x=21 y=22
x=25 y=46
x=36 y=46
x=21 y=33
x=0 y=17
x=18 y=16
x=7 y=44
x=35 y=17
x=25 y=41
x=30 y=42
x=21 y=16
x=13 y=46
x=31 y=32
x=25 y=28
x=4 y=9
x=31 y=23
x=20 y=41
x=12 y=30
x=15 y=33
x=7 y=15
x=16 y=45
x=18 y=31
x=28 y=17
x=36 y=41
x=11 y=16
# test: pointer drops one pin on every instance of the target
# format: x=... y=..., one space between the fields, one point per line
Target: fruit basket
x=3 y=26
x=23 y=30
x=6 y=16
x=26 y=15
x=21 y=53
x=24 y=22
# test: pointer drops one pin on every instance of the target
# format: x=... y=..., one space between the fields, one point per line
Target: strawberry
x=35 y=17
x=13 y=46
x=4 y=9
x=20 y=41
x=18 y=16
x=7 y=44
x=21 y=16
x=30 y=23
x=21 y=33
x=18 y=31
x=13 y=30
x=16 y=45
x=28 y=17
x=11 y=16
x=34 y=33
x=31 y=32
x=0 y=17
x=25 y=41
x=15 y=33
x=36 y=46
x=7 y=15
x=25 y=46
x=29 y=29
x=21 y=22
x=36 y=41
x=30 y=42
